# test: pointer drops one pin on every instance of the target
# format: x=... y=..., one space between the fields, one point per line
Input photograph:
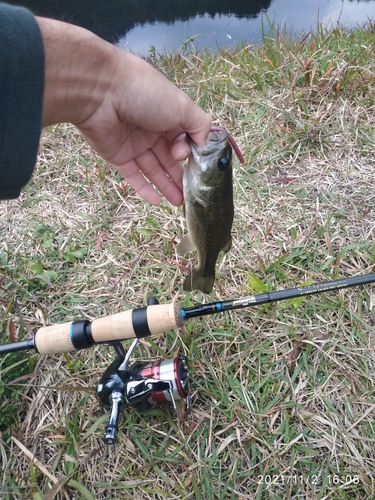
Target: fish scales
x=209 y=209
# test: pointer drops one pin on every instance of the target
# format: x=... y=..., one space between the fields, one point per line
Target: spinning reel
x=140 y=385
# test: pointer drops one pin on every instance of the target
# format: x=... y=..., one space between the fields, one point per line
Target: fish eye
x=223 y=163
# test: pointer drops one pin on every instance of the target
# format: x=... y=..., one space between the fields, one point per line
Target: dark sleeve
x=21 y=97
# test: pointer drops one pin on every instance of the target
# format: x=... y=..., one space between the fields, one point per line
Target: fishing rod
x=156 y=318
x=167 y=380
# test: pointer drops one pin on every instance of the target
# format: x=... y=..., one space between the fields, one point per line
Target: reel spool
x=173 y=370
x=141 y=385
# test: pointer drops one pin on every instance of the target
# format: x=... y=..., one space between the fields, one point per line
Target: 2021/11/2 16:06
x=314 y=480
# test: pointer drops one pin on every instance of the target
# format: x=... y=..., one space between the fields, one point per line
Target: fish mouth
x=216 y=141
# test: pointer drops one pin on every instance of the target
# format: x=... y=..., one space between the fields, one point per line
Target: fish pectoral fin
x=186 y=245
x=228 y=245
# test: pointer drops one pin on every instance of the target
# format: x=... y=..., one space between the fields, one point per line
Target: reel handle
x=136 y=323
x=111 y=431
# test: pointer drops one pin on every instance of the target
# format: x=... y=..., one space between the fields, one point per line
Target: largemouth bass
x=209 y=210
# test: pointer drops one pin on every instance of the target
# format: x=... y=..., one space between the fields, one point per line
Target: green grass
x=282 y=395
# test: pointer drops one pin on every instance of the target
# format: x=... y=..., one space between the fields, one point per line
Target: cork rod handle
x=142 y=322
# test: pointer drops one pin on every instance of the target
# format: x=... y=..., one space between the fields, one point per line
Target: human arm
x=21 y=97
x=127 y=110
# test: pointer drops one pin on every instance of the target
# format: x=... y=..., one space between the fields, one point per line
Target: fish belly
x=209 y=233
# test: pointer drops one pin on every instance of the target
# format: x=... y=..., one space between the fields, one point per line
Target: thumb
x=195 y=122
x=199 y=131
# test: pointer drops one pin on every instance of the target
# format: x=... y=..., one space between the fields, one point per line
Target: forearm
x=85 y=74
x=77 y=72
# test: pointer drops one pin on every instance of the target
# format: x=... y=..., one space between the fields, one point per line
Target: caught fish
x=209 y=210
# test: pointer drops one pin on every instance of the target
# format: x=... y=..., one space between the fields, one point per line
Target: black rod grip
x=17 y=346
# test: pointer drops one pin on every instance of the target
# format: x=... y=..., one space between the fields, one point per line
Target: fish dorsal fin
x=186 y=245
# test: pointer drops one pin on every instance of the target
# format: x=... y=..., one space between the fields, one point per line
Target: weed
x=282 y=395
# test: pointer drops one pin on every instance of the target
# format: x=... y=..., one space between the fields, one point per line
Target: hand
x=139 y=128
x=129 y=112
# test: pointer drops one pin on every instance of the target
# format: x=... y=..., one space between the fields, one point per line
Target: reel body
x=140 y=385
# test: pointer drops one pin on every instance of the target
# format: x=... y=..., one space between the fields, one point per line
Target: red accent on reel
x=151 y=370
x=168 y=369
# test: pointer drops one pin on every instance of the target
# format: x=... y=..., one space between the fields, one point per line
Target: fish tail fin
x=197 y=281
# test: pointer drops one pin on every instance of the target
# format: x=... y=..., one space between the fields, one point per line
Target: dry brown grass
x=281 y=394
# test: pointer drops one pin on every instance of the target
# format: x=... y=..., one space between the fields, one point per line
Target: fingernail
x=179 y=138
x=182 y=156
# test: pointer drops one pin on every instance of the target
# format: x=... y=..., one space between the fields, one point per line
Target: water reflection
x=230 y=29
x=112 y=19
x=140 y=24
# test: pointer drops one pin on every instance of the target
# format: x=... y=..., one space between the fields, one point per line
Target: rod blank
x=266 y=298
x=17 y=346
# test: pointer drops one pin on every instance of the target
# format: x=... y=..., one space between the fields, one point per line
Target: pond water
x=148 y=25
x=228 y=29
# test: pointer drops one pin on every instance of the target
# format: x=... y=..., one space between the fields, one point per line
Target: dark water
x=165 y=25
